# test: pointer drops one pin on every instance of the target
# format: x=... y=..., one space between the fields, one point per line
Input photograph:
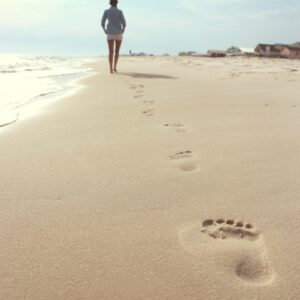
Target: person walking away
x=114 y=31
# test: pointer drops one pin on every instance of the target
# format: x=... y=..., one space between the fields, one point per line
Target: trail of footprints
x=248 y=258
x=185 y=161
x=251 y=265
x=139 y=94
x=139 y=90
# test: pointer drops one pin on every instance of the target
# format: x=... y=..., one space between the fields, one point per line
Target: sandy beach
x=176 y=179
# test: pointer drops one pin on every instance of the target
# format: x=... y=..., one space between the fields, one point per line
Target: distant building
x=216 y=53
x=279 y=50
x=288 y=51
x=267 y=50
x=233 y=50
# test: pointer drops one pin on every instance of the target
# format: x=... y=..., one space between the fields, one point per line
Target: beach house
x=288 y=51
x=267 y=50
x=216 y=53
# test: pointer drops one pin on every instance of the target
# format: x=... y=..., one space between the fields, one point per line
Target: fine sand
x=179 y=178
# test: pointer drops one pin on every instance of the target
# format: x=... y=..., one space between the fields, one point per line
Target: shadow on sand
x=147 y=76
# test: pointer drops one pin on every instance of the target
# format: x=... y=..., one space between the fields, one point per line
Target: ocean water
x=27 y=82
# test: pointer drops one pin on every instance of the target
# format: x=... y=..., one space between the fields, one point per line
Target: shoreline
x=67 y=84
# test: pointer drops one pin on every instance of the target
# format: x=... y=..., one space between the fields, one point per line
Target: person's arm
x=103 y=21
x=123 y=21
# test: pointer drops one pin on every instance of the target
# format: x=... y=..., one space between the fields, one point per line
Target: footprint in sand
x=139 y=96
x=149 y=102
x=235 y=75
x=182 y=155
x=185 y=161
x=176 y=126
x=244 y=243
x=149 y=112
x=136 y=86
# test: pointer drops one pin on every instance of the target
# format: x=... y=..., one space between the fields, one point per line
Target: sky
x=72 y=27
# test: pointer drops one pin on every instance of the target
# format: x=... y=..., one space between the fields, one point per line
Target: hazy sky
x=72 y=27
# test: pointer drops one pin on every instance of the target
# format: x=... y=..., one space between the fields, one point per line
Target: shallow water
x=28 y=80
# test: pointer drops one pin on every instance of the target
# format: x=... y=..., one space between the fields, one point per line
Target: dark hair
x=113 y=2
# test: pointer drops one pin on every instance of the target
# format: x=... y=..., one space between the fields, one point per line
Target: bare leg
x=117 y=51
x=111 y=54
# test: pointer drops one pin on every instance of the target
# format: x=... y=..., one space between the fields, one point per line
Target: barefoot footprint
x=139 y=94
x=185 y=161
x=250 y=265
x=176 y=126
x=149 y=112
x=182 y=155
x=135 y=86
x=139 y=90
x=149 y=102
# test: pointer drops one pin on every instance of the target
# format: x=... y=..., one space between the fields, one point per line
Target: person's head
x=113 y=2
